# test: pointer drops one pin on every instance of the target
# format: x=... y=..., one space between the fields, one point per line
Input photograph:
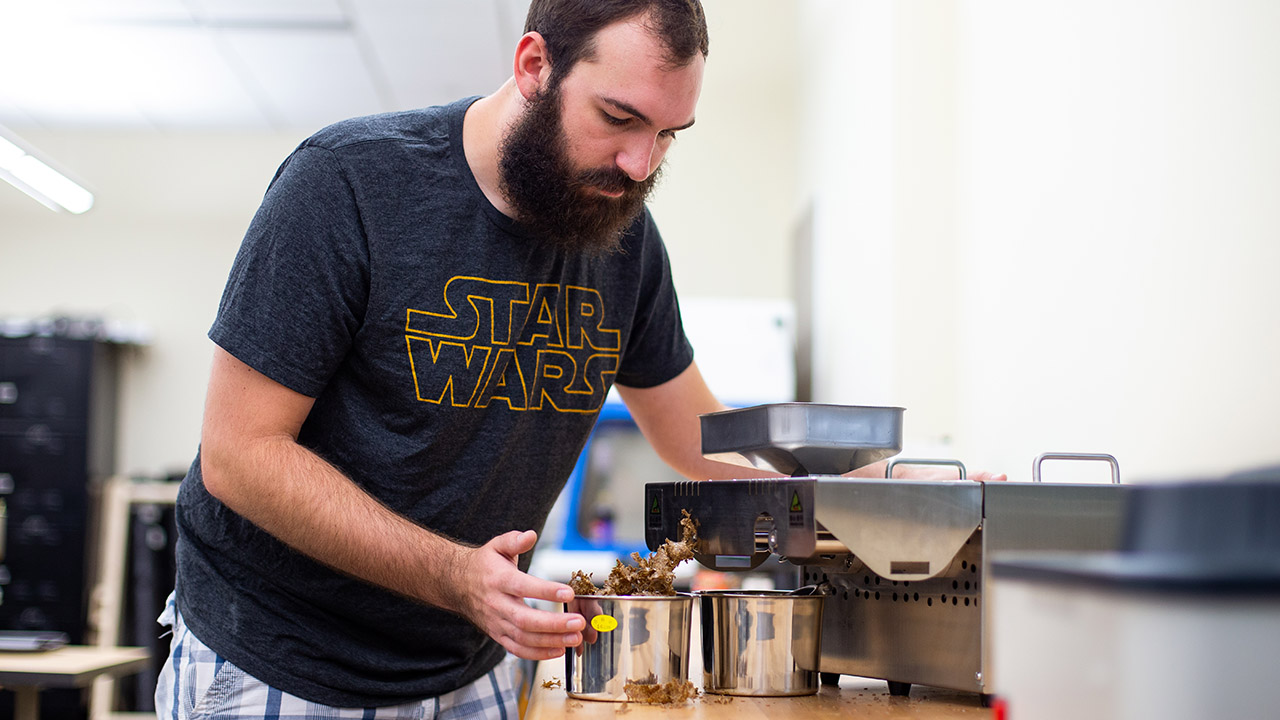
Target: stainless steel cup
x=760 y=642
x=628 y=638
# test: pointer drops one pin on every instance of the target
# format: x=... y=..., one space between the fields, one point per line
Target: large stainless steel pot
x=760 y=642
x=629 y=639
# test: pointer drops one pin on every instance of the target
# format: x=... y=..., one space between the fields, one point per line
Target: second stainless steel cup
x=761 y=643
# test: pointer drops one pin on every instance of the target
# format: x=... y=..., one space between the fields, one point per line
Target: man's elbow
x=217 y=470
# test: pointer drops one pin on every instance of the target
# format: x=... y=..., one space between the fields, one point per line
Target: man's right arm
x=252 y=462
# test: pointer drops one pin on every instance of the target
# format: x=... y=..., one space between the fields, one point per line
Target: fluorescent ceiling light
x=34 y=176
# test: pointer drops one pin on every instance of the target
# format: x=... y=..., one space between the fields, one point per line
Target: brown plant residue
x=581 y=583
x=654 y=575
x=671 y=692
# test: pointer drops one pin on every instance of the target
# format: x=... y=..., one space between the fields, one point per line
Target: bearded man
x=416 y=336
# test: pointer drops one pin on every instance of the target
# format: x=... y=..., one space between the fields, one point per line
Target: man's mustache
x=610 y=180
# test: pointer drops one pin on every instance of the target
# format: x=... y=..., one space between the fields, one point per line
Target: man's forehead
x=631 y=70
x=633 y=39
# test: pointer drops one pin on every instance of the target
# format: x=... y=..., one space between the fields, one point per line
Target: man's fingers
x=528 y=586
x=541 y=621
x=514 y=543
x=531 y=653
x=536 y=630
x=545 y=640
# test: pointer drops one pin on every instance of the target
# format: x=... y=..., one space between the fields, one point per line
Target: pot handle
x=888 y=469
x=1103 y=457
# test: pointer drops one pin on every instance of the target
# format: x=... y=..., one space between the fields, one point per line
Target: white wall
x=848 y=169
x=1061 y=221
x=155 y=250
x=1119 y=181
x=727 y=203
x=171 y=210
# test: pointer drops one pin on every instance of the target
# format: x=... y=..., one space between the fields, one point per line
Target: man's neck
x=483 y=128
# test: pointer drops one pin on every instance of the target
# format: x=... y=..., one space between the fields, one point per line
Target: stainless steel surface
x=1103 y=457
x=901 y=529
x=828 y=545
x=937 y=631
x=628 y=639
x=1045 y=516
x=803 y=438
x=1051 y=516
x=826 y=549
x=760 y=643
x=888 y=470
x=925 y=632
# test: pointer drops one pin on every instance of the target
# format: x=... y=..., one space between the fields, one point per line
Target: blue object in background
x=600 y=509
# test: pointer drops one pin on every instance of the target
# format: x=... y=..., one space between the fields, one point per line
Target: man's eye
x=668 y=134
x=614 y=120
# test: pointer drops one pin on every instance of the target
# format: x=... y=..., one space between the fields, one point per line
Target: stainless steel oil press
x=905 y=561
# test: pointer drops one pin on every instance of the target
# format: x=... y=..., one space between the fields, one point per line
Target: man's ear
x=532 y=64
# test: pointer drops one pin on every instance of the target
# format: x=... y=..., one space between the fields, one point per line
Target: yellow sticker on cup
x=604 y=623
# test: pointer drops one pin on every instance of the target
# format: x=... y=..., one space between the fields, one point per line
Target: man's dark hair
x=569 y=28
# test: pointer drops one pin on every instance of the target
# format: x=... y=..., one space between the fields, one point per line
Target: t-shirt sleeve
x=658 y=349
x=298 y=289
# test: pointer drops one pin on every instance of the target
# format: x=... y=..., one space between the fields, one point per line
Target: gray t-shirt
x=458 y=366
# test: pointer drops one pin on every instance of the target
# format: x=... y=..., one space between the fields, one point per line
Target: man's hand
x=908 y=471
x=492 y=592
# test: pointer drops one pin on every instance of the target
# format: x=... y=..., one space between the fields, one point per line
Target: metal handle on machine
x=1103 y=457
x=888 y=470
x=824 y=543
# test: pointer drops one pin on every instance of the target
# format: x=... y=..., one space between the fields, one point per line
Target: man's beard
x=558 y=204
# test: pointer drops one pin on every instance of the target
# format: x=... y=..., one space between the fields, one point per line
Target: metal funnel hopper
x=800 y=439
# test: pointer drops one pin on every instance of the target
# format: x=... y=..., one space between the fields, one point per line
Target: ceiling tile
x=268 y=11
x=183 y=80
x=26 y=14
x=245 y=63
x=308 y=79
x=12 y=114
x=72 y=77
x=436 y=52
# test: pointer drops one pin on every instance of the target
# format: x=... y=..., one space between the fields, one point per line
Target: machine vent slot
x=908 y=567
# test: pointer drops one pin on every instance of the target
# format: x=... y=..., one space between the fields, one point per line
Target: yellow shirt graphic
x=531 y=346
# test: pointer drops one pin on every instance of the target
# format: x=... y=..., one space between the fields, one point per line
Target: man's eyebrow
x=627 y=108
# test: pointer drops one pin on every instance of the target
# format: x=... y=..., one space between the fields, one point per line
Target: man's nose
x=639 y=157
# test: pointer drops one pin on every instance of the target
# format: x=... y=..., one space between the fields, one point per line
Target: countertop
x=68 y=666
x=855 y=697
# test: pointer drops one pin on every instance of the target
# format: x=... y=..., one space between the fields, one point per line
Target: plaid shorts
x=198 y=684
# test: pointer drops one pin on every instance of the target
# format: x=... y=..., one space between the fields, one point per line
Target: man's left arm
x=667 y=414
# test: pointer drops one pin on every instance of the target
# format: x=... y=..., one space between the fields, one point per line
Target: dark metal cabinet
x=57 y=407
